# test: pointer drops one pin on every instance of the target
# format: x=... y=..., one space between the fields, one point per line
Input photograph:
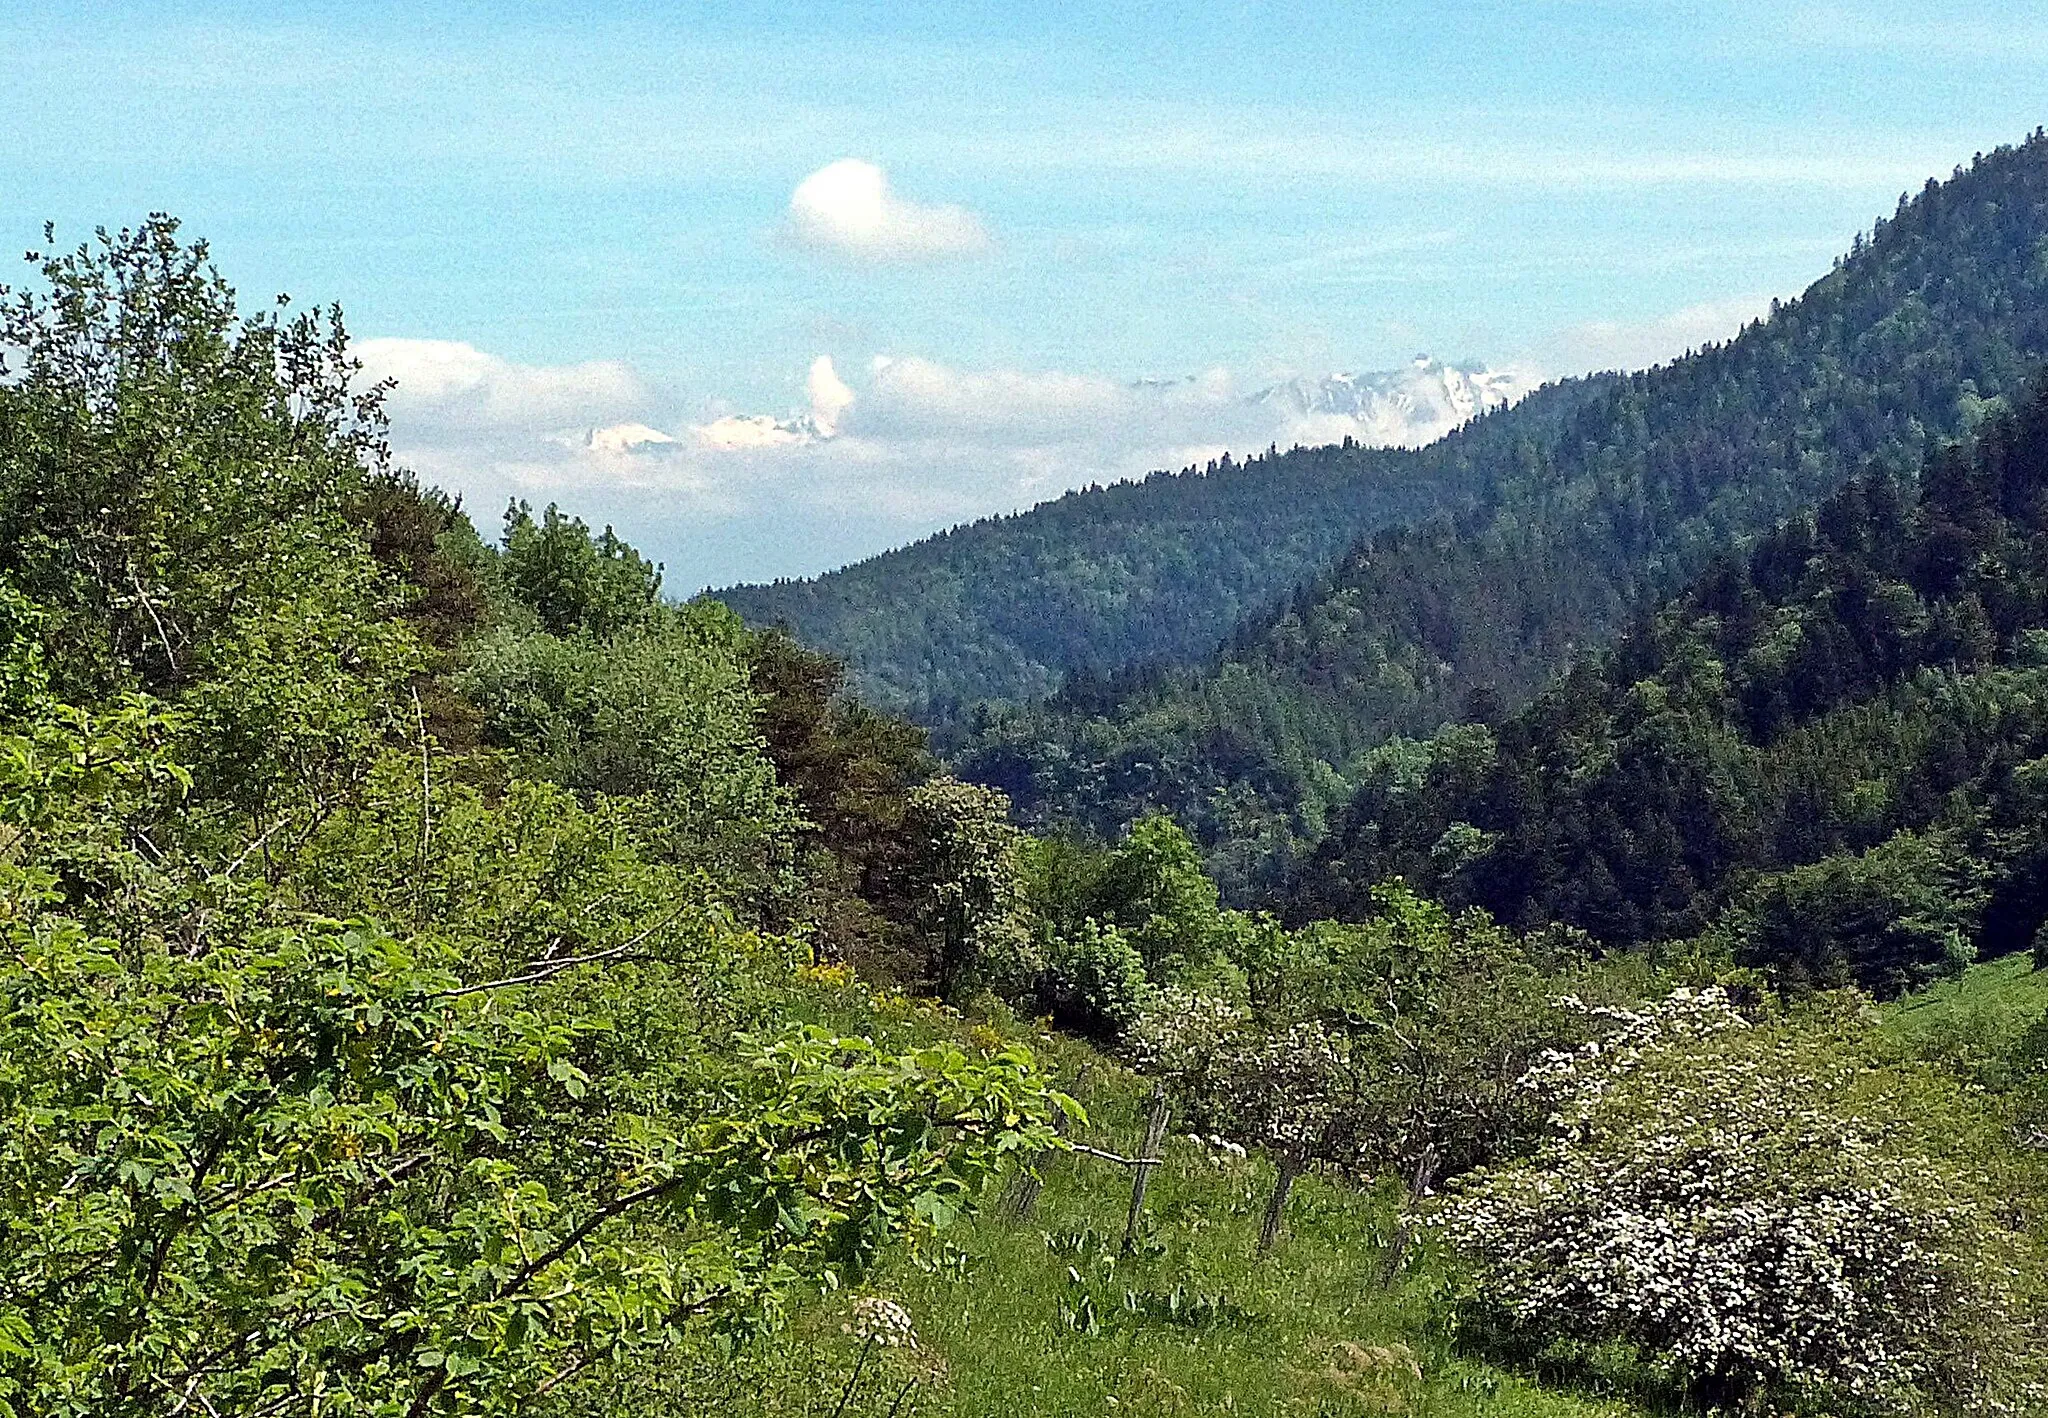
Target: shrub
x=1775 y=1210
x=1094 y=980
x=1890 y=920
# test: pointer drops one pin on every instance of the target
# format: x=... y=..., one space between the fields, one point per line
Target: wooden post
x=1290 y=1168
x=1155 y=1133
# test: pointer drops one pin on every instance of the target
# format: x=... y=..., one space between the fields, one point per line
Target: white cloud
x=493 y=429
x=1638 y=344
x=828 y=394
x=906 y=446
x=829 y=398
x=744 y=431
x=847 y=208
x=917 y=397
x=456 y=383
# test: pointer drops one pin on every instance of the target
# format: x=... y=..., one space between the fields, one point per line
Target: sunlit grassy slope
x=1975 y=1019
x=1044 y=1314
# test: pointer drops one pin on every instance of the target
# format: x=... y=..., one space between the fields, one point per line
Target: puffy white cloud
x=493 y=429
x=1623 y=344
x=828 y=394
x=906 y=446
x=457 y=383
x=848 y=209
x=829 y=397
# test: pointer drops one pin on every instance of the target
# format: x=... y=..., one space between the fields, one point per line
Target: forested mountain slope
x=1107 y=577
x=1567 y=527
x=1847 y=730
x=1006 y=607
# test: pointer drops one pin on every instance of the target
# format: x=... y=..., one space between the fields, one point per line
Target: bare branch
x=547 y=969
x=1115 y=1157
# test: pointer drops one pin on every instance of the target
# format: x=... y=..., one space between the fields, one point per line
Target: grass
x=1973 y=1023
x=2008 y=987
x=1045 y=1314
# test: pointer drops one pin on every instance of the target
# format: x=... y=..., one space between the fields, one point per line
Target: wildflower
x=881 y=1322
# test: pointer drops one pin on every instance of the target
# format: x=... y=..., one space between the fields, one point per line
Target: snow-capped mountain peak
x=1406 y=407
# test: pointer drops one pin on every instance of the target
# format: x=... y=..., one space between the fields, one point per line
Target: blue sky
x=570 y=233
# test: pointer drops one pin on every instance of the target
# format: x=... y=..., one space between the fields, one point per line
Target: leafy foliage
x=164 y=463
x=343 y=1072
x=1110 y=925
x=574 y=582
x=1899 y=915
x=963 y=879
x=1393 y=1045
x=662 y=713
x=311 y=1166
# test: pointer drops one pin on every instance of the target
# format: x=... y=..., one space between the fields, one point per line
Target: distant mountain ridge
x=1557 y=519
x=1157 y=571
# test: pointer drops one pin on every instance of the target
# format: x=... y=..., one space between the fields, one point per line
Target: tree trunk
x=1023 y=1198
x=1404 y=1229
x=1290 y=1168
x=1029 y=1180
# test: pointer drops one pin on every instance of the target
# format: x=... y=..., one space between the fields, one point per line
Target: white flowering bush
x=1392 y=1045
x=1772 y=1211
x=1187 y=1038
x=1290 y=1089
x=1441 y=1015
x=1294 y=1089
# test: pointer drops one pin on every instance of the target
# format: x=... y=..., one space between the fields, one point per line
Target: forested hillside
x=1566 y=527
x=1153 y=572
x=1834 y=750
x=1005 y=608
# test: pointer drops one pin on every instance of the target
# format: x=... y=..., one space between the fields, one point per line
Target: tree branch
x=547 y=969
x=1117 y=1158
